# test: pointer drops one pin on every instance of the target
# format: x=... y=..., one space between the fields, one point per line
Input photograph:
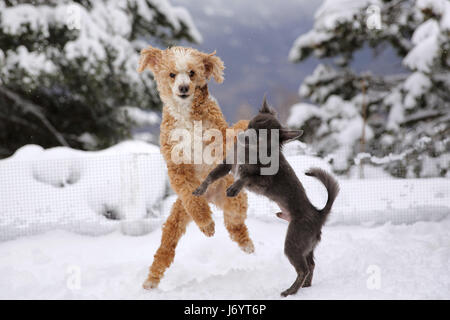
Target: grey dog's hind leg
x=311 y=265
x=301 y=266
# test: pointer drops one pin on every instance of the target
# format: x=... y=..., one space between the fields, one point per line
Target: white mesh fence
x=98 y=194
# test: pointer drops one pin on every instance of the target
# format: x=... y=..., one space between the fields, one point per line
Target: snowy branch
x=421 y=144
x=29 y=107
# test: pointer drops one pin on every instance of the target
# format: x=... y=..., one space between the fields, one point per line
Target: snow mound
x=87 y=192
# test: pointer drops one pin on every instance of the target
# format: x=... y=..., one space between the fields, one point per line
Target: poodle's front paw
x=209 y=229
x=150 y=284
x=232 y=191
x=200 y=190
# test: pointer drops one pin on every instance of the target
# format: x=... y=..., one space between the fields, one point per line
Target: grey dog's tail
x=330 y=184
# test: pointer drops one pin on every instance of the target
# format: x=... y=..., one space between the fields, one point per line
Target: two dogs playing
x=181 y=75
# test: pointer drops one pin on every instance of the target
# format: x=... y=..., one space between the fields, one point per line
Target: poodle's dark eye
x=192 y=73
x=172 y=75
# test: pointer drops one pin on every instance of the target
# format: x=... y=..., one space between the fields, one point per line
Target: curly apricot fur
x=185 y=178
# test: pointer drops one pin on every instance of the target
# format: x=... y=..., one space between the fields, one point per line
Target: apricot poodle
x=181 y=75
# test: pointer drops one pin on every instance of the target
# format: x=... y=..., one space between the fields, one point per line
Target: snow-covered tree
x=68 y=68
x=406 y=113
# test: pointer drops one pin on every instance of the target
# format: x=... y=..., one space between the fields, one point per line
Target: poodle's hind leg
x=173 y=230
x=235 y=213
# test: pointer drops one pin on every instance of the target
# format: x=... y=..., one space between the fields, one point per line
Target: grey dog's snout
x=183 y=88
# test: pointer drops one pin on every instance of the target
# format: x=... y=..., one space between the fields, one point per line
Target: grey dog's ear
x=286 y=135
x=150 y=58
x=265 y=107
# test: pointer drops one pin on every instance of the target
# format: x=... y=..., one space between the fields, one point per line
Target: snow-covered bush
x=68 y=69
x=399 y=109
x=340 y=128
x=88 y=192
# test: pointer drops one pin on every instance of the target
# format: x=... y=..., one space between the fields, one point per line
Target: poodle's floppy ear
x=265 y=107
x=213 y=67
x=150 y=57
x=286 y=135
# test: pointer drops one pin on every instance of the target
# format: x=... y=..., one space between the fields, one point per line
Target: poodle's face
x=178 y=70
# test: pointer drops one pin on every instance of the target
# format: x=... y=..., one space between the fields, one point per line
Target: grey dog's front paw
x=232 y=191
x=200 y=190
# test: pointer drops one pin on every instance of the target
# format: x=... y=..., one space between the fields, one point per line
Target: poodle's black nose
x=183 y=88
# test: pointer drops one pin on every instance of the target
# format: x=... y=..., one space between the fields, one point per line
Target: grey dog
x=284 y=188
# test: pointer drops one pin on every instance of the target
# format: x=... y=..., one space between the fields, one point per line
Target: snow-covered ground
x=353 y=262
x=86 y=225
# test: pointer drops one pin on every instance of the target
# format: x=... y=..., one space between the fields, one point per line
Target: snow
x=141 y=117
x=301 y=112
x=346 y=137
x=429 y=37
x=445 y=19
x=105 y=27
x=426 y=41
x=334 y=12
x=309 y=39
x=183 y=15
x=327 y=18
x=81 y=191
x=15 y=19
x=341 y=123
x=396 y=112
x=401 y=107
x=296 y=147
x=89 y=140
x=176 y=16
x=33 y=62
x=412 y=262
x=429 y=28
x=436 y=6
x=415 y=86
x=54 y=227
x=370 y=172
x=122 y=188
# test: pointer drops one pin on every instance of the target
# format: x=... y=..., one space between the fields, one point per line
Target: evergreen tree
x=68 y=69
x=407 y=115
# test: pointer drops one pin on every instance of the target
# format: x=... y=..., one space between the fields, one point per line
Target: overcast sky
x=254 y=38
